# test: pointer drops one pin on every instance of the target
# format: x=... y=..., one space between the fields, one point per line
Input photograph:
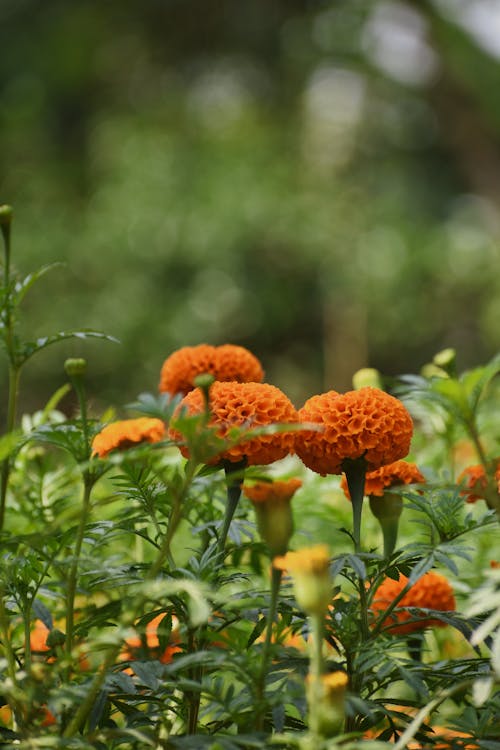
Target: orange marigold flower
x=226 y=363
x=126 y=433
x=134 y=644
x=476 y=482
x=244 y=405
x=367 y=423
x=268 y=492
x=392 y=475
x=431 y=591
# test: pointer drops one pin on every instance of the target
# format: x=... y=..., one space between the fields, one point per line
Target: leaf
x=41 y=612
x=22 y=287
x=32 y=347
x=8 y=443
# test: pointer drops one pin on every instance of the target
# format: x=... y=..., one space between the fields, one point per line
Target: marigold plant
x=367 y=423
x=431 y=591
x=127 y=433
x=225 y=363
x=247 y=406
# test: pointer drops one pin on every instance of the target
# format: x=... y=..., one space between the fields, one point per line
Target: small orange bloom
x=244 y=405
x=226 y=363
x=431 y=591
x=367 y=423
x=134 y=644
x=476 y=482
x=392 y=475
x=268 y=492
x=127 y=433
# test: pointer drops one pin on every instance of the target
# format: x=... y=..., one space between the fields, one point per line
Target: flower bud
x=312 y=582
x=326 y=700
x=75 y=367
x=367 y=376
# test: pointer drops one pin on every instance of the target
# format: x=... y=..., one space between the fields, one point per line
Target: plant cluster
x=206 y=573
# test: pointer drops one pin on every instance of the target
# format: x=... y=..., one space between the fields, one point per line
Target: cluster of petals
x=392 y=475
x=367 y=423
x=272 y=492
x=313 y=560
x=126 y=433
x=247 y=406
x=476 y=482
x=225 y=363
x=135 y=645
x=431 y=591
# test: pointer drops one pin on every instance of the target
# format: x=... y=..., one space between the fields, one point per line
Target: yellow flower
x=310 y=569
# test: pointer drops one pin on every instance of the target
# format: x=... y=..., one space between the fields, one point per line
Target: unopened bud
x=367 y=376
x=75 y=367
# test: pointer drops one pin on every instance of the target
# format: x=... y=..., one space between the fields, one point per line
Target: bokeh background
x=317 y=181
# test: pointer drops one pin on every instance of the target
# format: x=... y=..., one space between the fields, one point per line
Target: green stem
x=355 y=472
x=316 y=669
x=14 y=373
x=474 y=436
x=10 y=658
x=390 y=534
x=73 y=572
x=276 y=575
x=233 y=481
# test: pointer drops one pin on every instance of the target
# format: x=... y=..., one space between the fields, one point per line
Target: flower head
x=367 y=423
x=272 y=492
x=310 y=570
x=431 y=591
x=392 y=475
x=271 y=501
x=135 y=645
x=226 y=363
x=244 y=405
x=477 y=484
x=126 y=433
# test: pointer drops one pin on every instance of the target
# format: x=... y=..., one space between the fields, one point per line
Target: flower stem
x=14 y=373
x=233 y=481
x=316 y=668
x=276 y=575
x=355 y=472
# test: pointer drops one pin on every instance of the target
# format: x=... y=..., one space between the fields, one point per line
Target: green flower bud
x=367 y=376
x=75 y=367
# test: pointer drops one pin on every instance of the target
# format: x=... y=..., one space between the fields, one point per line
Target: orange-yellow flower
x=269 y=492
x=126 y=433
x=312 y=582
x=367 y=423
x=271 y=501
x=392 y=475
x=431 y=591
x=476 y=482
x=244 y=405
x=226 y=363
x=134 y=644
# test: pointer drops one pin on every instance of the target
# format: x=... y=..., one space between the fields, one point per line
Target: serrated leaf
x=23 y=286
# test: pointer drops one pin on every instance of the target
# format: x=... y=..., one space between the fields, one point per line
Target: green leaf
x=32 y=347
x=8 y=443
x=23 y=286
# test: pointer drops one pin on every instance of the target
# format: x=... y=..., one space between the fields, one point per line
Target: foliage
x=129 y=620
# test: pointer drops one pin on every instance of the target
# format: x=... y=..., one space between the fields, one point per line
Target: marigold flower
x=476 y=482
x=271 y=501
x=392 y=475
x=226 y=363
x=269 y=492
x=310 y=569
x=431 y=591
x=244 y=405
x=126 y=433
x=134 y=644
x=367 y=423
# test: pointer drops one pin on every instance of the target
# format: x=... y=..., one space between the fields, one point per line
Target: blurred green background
x=317 y=181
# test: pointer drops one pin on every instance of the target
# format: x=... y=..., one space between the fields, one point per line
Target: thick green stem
x=233 y=481
x=355 y=472
x=316 y=669
x=276 y=575
x=390 y=534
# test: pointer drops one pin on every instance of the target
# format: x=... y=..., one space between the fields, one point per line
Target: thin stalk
x=474 y=436
x=10 y=659
x=276 y=575
x=14 y=373
x=193 y=698
x=73 y=572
